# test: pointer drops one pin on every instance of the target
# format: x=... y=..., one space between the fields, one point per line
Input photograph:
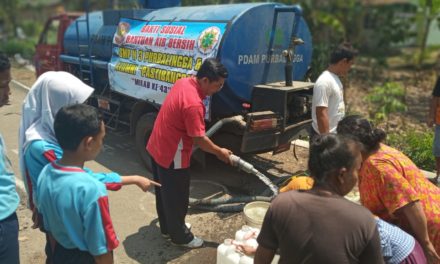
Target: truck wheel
x=144 y=127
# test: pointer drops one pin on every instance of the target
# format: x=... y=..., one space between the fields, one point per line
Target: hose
x=226 y=208
x=224 y=204
x=237 y=119
x=212 y=130
x=225 y=190
x=229 y=200
x=278 y=181
x=249 y=168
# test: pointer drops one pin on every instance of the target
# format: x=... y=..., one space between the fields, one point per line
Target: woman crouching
x=320 y=225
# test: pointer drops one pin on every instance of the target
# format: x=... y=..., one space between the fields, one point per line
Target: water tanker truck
x=133 y=57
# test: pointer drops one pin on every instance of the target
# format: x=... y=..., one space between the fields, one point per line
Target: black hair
x=4 y=62
x=361 y=130
x=329 y=153
x=75 y=122
x=344 y=51
x=212 y=69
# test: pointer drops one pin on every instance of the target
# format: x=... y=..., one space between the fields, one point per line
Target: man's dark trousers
x=172 y=200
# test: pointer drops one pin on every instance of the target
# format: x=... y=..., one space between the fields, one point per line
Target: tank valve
x=288 y=67
x=236 y=161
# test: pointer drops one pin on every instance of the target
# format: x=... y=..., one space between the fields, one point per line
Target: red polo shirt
x=181 y=117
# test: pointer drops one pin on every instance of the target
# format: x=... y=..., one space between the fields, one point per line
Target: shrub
x=416 y=145
x=25 y=47
x=385 y=100
x=32 y=28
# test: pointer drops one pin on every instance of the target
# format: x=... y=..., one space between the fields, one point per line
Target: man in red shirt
x=180 y=124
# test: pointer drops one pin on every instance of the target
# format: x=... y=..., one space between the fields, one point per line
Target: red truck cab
x=50 y=44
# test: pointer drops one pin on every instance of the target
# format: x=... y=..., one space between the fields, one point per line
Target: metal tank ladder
x=108 y=107
x=289 y=53
x=85 y=50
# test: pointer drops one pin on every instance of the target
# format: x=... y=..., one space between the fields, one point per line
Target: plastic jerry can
x=246 y=260
x=227 y=254
x=245 y=233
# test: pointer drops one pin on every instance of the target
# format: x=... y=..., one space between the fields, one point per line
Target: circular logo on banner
x=208 y=40
x=121 y=31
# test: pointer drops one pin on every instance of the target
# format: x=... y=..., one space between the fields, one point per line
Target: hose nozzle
x=236 y=161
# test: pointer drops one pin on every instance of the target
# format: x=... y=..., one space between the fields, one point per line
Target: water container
x=246 y=232
x=233 y=257
x=222 y=251
x=254 y=213
x=227 y=253
x=239 y=235
x=252 y=242
x=246 y=260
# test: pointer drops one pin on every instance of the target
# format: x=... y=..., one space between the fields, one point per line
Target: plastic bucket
x=254 y=213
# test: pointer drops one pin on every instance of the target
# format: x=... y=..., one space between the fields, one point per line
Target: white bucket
x=254 y=213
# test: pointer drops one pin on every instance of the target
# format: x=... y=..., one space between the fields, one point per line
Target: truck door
x=50 y=45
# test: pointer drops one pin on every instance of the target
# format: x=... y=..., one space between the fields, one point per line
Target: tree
x=429 y=10
x=9 y=13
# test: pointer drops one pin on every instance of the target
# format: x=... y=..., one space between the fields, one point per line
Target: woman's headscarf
x=51 y=91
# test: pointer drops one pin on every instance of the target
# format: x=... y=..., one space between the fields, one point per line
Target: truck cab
x=50 y=44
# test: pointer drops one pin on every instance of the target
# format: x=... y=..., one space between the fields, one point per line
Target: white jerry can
x=227 y=252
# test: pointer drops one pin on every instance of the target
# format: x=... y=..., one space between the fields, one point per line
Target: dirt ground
x=418 y=85
x=23 y=75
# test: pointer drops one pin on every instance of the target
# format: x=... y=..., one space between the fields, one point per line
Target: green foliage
x=25 y=47
x=416 y=145
x=386 y=99
x=428 y=12
x=8 y=13
x=321 y=58
x=385 y=27
x=373 y=29
x=327 y=28
x=31 y=28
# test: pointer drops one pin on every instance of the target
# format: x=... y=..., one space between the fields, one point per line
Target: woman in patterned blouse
x=393 y=188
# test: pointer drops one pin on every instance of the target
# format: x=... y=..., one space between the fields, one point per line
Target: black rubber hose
x=225 y=208
x=229 y=200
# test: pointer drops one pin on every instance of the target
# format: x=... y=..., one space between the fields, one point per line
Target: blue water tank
x=102 y=27
x=154 y=4
x=244 y=45
x=244 y=49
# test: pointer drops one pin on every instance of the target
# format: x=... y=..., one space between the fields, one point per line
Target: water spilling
x=249 y=168
x=266 y=181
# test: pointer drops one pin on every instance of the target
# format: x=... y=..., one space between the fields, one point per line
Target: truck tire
x=144 y=127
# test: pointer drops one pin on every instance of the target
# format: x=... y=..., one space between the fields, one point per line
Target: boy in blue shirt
x=74 y=205
x=37 y=143
x=9 y=252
